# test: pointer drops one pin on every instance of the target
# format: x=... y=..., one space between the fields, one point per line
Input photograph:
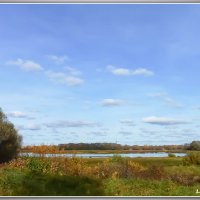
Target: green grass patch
x=141 y=187
x=166 y=161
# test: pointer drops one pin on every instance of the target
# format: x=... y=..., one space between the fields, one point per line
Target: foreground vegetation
x=116 y=176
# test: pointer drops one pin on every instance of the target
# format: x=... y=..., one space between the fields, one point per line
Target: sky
x=125 y=73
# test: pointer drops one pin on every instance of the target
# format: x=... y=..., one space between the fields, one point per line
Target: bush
x=135 y=167
x=171 y=155
x=38 y=165
x=10 y=141
x=154 y=172
x=185 y=179
x=192 y=158
x=117 y=159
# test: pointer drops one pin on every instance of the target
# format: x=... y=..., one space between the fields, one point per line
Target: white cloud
x=26 y=65
x=111 y=102
x=58 y=59
x=142 y=71
x=127 y=72
x=128 y=122
x=119 y=71
x=163 y=121
x=74 y=124
x=33 y=127
x=63 y=78
x=30 y=127
x=18 y=114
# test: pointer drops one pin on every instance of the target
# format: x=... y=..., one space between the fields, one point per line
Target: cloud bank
x=72 y=124
x=30 y=127
x=18 y=114
x=164 y=121
x=128 y=122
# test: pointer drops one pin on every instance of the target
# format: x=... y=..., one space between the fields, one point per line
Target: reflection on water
x=130 y=155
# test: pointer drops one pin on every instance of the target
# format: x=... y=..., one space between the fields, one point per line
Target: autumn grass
x=115 y=176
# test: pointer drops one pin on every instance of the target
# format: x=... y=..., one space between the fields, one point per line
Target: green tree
x=10 y=141
x=195 y=145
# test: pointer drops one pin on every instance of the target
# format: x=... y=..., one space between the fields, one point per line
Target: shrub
x=135 y=167
x=75 y=166
x=171 y=155
x=19 y=163
x=185 y=179
x=131 y=169
x=192 y=158
x=154 y=172
x=104 y=169
x=10 y=141
x=119 y=167
x=117 y=159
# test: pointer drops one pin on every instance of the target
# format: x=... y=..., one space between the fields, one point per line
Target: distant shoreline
x=105 y=151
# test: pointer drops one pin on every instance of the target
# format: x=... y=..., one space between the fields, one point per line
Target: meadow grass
x=116 y=176
x=142 y=187
x=165 y=161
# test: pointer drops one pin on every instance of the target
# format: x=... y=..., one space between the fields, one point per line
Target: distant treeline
x=114 y=146
x=195 y=145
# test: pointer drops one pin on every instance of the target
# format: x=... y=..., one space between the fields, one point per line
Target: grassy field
x=116 y=176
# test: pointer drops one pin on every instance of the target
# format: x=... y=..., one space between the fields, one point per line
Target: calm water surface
x=130 y=155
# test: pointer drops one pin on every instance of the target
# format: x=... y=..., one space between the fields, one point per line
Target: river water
x=130 y=155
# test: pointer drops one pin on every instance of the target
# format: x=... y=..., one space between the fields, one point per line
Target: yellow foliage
x=115 y=175
x=19 y=163
x=136 y=167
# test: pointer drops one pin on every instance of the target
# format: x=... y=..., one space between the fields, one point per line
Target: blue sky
x=101 y=72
